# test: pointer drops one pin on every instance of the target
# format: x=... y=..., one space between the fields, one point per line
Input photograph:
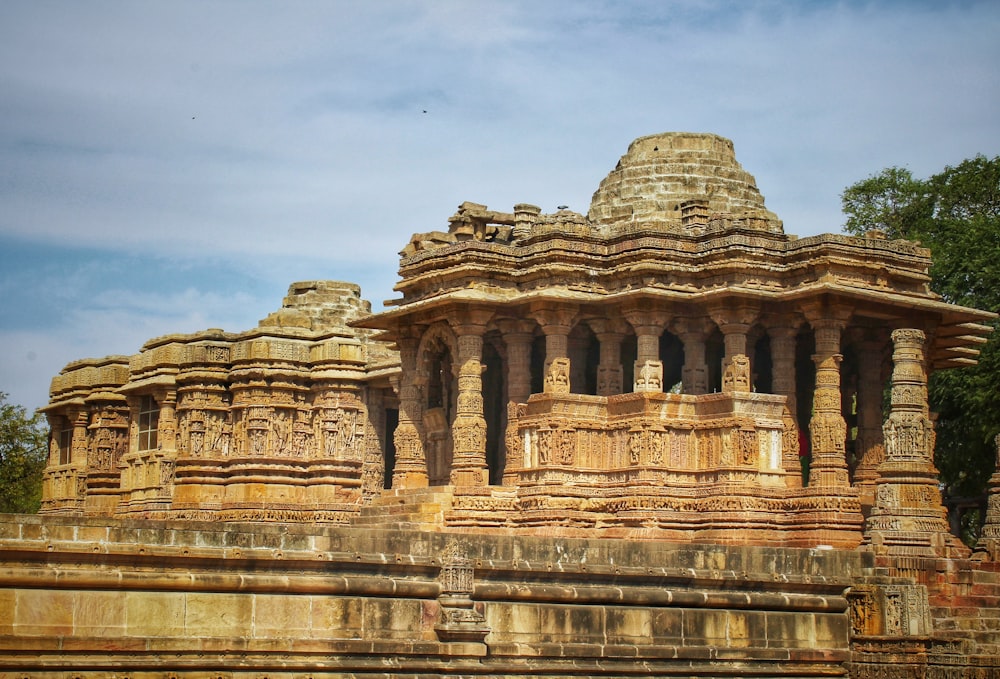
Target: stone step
x=407 y=508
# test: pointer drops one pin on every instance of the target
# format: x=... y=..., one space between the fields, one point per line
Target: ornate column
x=908 y=518
x=693 y=333
x=576 y=347
x=556 y=323
x=166 y=399
x=783 y=336
x=518 y=336
x=468 y=467
x=870 y=443
x=410 y=470
x=734 y=321
x=827 y=428
x=648 y=326
x=79 y=418
x=783 y=363
x=610 y=333
x=989 y=541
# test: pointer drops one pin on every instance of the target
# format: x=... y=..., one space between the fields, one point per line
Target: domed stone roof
x=662 y=172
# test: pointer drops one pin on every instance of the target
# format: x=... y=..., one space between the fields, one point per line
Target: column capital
x=782 y=332
x=555 y=319
x=691 y=326
x=734 y=314
x=470 y=320
x=821 y=314
x=790 y=320
x=608 y=326
x=409 y=332
x=513 y=327
x=646 y=319
x=165 y=394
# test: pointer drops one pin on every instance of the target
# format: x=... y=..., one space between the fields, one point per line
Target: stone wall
x=98 y=597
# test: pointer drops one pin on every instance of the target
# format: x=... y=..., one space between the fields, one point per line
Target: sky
x=172 y=166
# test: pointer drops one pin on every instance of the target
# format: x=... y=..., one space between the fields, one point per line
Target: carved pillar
x=410 y=470
x=693 y=333
x=734 y=321
x=518 y=337
x=373 y=465
x=610 y=334
x=556 y=323
x=166 y=399
x=79 y=419
x=870 y=446
x=908 y=518
x=648 y=326
x=989 y=541
x=783 y=339
x=783 y=364
x=469 y=466
x=827 y=428
x=577 y=346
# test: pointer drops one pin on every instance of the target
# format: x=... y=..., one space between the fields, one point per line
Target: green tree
x=956 y=214
x=23 y=451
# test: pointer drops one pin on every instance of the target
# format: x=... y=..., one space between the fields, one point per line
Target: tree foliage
x=23 y=452
x=956 y=214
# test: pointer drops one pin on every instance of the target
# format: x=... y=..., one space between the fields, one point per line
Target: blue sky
x=174 y=166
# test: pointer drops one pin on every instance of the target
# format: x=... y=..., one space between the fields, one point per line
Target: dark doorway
x=494 y=411
x=389 y=447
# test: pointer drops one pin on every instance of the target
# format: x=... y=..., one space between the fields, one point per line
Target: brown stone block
x=44 y=612
x=25 y=644
x=123 y=535
x=218 y=615
x=567 y=624
x=8 y=600
x=705 y=626
x=31 y=531
x=223 y=643
x=208 y=538
x=267 y=540
x=667 y=625
x=99 y=614
x=92 y=533
x=832 y=631
x=790 y=630
x=512 y=622
x=102 y=645
x=296 y=542
x=10 y=529
x=628 y=625
x=393 y=618
x=238 y=539
x=56 y=532
x=281 y=615
x=336 y=617
x=154 y=614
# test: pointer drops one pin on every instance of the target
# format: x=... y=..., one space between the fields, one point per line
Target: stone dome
x=661 y=172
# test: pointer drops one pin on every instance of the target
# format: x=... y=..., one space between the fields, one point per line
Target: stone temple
x=664 y=438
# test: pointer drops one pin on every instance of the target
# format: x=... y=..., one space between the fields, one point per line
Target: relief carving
x=736 y=377
x=557 y=376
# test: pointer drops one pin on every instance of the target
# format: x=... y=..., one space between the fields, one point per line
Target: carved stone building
x=574 y=445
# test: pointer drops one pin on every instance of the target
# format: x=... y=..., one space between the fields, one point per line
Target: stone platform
x=92 y=597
